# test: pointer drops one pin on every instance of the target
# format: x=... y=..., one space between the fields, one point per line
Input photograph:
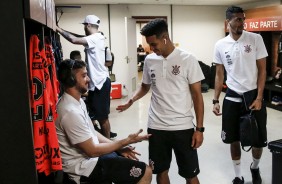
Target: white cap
x=91 y=19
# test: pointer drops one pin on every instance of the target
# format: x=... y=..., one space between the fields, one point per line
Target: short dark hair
x=74 y=53
x=233 y=9
x=155 y=27
x=65 y=71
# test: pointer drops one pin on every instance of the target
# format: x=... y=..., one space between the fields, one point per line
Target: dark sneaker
x=256 y=176
x=113 y=135
x=238 y=180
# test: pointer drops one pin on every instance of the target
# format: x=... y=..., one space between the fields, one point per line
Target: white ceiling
x=174 y=2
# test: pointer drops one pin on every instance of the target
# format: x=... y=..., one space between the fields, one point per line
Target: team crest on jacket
x=175 y=70
x=248 y=48
x=135 y=172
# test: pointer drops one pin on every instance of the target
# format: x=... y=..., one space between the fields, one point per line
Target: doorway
x=141 y=21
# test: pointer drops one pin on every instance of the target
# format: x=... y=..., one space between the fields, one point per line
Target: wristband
x=200 y=129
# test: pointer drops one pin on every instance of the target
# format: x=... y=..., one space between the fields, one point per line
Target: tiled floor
x=214 y=157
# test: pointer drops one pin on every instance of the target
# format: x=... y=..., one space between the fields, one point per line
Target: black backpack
x=248 y=131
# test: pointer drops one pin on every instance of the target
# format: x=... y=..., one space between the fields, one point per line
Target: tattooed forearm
x=71 y=37
x=66 y=35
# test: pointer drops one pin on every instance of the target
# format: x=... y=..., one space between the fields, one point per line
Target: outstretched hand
x=123 y=107
x=135 y=137
x=129 y=152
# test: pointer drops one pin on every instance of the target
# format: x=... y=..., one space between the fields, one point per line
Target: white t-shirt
x=74 y=126
x=171 y=101
x=95 y=53
x=239 y=59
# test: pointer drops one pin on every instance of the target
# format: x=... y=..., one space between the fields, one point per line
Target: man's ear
x=165 y=37
x=227 y=21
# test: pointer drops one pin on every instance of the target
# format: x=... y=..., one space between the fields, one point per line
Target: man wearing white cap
x=100 y=84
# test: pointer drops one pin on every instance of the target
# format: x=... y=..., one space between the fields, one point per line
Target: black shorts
x=99 y=102
x=161 y=144
x=231 y=112
x=113 y=168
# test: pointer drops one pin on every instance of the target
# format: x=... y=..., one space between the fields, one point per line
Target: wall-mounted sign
x=264 y=24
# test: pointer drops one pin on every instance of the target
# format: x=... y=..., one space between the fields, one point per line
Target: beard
x=86 y=32
x=82 y=89
x=158 y=52
x=239 y=32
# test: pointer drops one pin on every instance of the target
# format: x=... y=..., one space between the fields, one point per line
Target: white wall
x=197 y=28
x=120 y=67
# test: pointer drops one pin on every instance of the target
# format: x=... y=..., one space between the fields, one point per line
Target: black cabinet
x=271 y=90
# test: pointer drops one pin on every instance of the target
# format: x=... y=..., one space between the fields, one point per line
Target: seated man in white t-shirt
x=87 y=155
